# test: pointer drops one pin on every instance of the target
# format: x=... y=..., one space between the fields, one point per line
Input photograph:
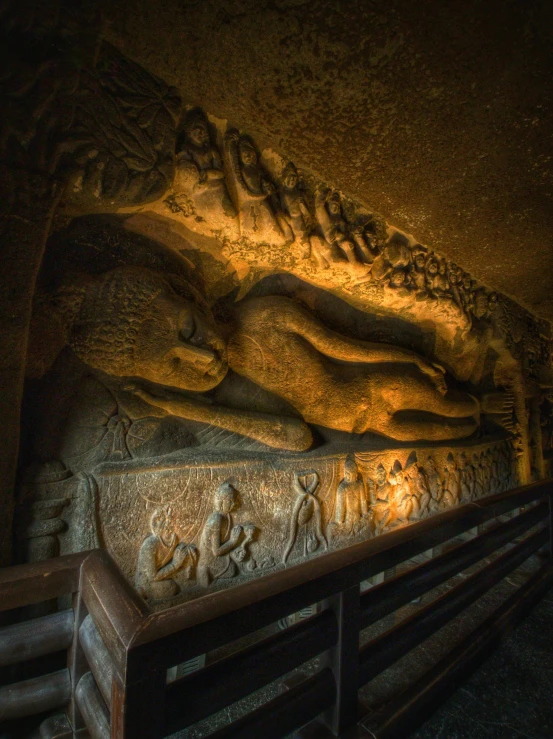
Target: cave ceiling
x=437 y=115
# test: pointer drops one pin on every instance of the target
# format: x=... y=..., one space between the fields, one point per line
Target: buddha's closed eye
x=188 y=327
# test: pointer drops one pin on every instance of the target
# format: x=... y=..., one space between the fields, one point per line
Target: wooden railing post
x=76 y=662
x=138 y=704
x=550 y=498
x=343 y=660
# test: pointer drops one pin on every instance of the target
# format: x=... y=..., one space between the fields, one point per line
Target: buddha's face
x=420 y=261
x=248 y=157
x=334 y=206
x=198 y=135
x=179 y=346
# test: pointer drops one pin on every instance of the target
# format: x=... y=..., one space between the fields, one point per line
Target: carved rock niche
x=234 y=366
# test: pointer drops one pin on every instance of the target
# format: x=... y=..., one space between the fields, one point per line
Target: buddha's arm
x=280 y=432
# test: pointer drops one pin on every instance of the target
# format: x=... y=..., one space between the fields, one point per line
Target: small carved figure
x=478 y=476
x=420 y=495
x=435 y=484
x=395 y=255
x=255 y=191
x=306 y=516
x=161 y=556
x=399 y=279
x=417 y=272
x=336 y=232
x=455 y=275
x=452 y=483
x=294 y=207
x=401 y=500
x=379 y=491
x=222 y=544
x=199 y=172
x=351 y=513
x=467 y=478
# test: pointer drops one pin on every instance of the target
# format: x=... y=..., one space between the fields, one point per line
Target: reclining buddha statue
x=155 y=333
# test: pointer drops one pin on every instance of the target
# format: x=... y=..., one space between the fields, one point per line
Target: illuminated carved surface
x=245 y=367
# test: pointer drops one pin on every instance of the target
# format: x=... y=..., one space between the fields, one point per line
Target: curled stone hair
x=112 y=307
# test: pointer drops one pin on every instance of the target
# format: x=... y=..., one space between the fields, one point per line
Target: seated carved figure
x=133 y=322
x=161 y=556
x=200 y=174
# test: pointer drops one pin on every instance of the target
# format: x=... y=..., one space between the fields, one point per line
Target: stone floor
x=511 y=695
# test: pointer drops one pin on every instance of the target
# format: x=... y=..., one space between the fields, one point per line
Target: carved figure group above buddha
x=200 y=188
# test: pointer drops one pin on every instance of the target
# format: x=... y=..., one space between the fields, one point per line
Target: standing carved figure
x=478 y=476
x=379 y=491
x=200 y=174
x=254 y=192
x=401 y=500
x=351 y=511
x=435 y=484
x=306 y=516
x=161 y=556
x=452 y=483
x=220 y=539
x=418 y=488
x=467 y=479
x=417 y=272
x=294 y=208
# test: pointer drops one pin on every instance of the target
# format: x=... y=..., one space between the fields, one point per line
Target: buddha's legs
x=419 y=411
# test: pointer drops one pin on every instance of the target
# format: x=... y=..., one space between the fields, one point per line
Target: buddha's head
x=133 y=322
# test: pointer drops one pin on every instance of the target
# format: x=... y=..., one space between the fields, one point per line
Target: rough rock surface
x=437 y=115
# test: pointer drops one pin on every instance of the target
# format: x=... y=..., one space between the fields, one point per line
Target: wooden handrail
x=122 y=647
x=280 y=593
x=23 y=585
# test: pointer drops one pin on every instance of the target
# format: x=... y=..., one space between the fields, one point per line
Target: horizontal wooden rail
x=289 y=711
x=196 y=696
x=34 y=696
x=123 y=650
x=35 y=638
x=24 y=585
x=98 y=658
x=380 y=653
x=387 y=597
x=92 y=708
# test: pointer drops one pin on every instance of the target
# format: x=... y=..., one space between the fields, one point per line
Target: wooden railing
x=118 y=651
